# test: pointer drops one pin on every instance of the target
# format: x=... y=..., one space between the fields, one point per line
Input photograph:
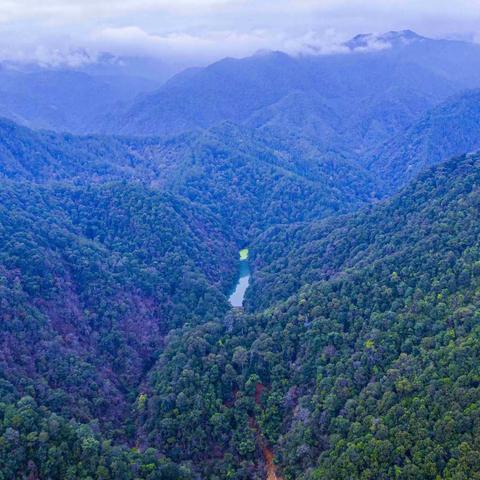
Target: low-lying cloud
x=186 y=47
x=73 y=32
x=214 y=44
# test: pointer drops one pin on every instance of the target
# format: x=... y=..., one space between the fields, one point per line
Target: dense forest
x=369 y=371
x=356 y=352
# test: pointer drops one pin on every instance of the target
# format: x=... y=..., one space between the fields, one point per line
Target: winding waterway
x=236 y=298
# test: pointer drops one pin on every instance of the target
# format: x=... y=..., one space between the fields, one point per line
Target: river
x=236 y=298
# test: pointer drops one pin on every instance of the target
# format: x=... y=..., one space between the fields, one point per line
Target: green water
x=236 y=298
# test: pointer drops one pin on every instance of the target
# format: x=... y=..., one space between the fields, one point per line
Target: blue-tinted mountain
x=72 y=99
x=450 y=129
x=356 y=354
x=357 y=99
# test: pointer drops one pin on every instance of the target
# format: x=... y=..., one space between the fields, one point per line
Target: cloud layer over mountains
x=55 y=32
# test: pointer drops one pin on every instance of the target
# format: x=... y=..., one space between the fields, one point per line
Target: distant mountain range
x=376 y=92
x=380 y=85
x=71 y=99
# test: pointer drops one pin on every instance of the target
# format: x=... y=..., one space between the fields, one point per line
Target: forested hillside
x=114 y=283
x=349 y=101
x=450 y=129
x=110 y=243
x=249 y=180
x=347 y=176
x=369 y=372
x=92 y=279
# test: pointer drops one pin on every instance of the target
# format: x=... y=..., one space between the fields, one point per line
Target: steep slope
x=228 y=90
x=341 y=126
x=92 y=279
x=47 y=156
x=255 y=180
x=286 y=257
x=370 y=371
x=450 y=129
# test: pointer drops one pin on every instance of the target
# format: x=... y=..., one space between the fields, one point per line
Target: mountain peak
x=373 y=41
x=402 y=35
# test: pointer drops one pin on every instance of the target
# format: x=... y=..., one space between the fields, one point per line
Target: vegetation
x=356 y=357
x=92 y=279
x=357 y=352
x=452 y=128
x=36 y=443
x=371 y=373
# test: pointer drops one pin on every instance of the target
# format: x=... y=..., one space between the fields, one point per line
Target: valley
x=266 y=268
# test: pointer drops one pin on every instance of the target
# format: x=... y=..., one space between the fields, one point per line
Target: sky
x=200 y=31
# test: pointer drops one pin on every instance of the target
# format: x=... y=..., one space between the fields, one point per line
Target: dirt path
x=267 y=452
x=271 y=468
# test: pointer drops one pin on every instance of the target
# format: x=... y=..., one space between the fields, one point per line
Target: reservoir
x=236 y=298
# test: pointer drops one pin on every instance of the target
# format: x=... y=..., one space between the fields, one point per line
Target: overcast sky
x=53 y=31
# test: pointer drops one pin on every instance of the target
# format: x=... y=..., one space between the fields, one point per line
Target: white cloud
x=210 y=45
x=213 y=44
x=73 y=31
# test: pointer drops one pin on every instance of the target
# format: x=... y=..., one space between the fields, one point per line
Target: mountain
x=91 y=280
x=148 y=226
x=376 y=351
x=228 y=168
x=378 y=87
x=350 y=101
x=393 y=38
x=449 y=129
x=72 y=99
x=452 y=59
x=110 y=243
x=148 y=73
x=356 y=352
x=114 y=314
